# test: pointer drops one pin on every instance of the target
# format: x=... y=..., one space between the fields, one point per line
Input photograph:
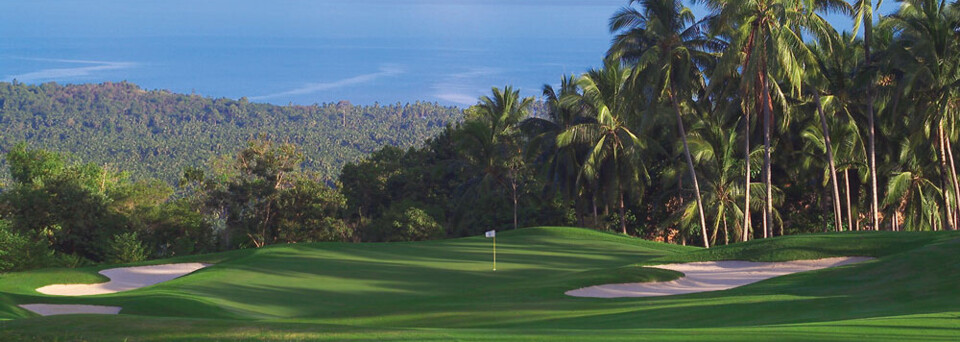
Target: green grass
x=446 y=290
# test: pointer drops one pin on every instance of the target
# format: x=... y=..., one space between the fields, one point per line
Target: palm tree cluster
x=856 y=133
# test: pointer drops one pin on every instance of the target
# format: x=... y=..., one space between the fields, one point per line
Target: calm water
x=305 y=51
x=283 y=51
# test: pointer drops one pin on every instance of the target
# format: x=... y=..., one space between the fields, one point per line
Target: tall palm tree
x=495 y=139
x=765 y=36
x=837 y=62
x=929 y=52
x=612 y=146
x=864 y=15
x=830 y=79
x=668 y=48
x=561 y=166
x=715 y=149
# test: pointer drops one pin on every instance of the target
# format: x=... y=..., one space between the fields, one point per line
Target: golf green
x=447 y=290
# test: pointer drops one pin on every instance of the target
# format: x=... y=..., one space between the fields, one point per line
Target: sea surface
x=307 y=51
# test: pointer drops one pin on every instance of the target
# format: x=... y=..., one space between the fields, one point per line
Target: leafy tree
x=265 y=197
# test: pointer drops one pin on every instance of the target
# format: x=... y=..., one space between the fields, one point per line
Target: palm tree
x=561 y=166
x=864 y=15
x=668 y=48
x=612 y=146
x=767 y=45
x=912 y=188
x=495 y=139
x=928 y=52
x=714 y=147
x=829 y=78
x=837 y=63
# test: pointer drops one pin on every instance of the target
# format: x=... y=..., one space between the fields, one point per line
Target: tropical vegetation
x=759 y=119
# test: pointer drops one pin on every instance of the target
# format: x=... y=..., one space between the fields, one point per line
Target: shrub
x=126 y=248
x=19 y=252
x=406 y=222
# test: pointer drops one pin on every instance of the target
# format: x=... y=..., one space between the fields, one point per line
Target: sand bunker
x=69 y=309
x=121 y=279
x=711 y=276
x=124 y=279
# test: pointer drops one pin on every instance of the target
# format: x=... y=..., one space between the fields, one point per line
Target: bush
x=19 y=252
x=126 y=248
x=175 y=228
x=406 y=222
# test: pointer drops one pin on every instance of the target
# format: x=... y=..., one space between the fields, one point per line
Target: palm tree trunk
x=578 y=212
x=513 y=184
x=896 y=220
x=871 y=148
x=746 y=194
x=726 y=234
x=693 y=173
x=838 y=217
x=768 y=118
x=623 y=222
x=944 y=179
x=850 y=214
x=596 y=218
x=953 y=172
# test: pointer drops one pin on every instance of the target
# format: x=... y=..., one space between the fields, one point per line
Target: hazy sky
x=313 y=18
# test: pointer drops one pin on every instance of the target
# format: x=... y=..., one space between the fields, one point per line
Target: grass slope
x=445 y=290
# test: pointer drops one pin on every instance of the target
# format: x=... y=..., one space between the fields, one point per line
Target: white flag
x=491 y=233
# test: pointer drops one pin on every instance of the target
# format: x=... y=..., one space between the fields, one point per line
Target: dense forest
x=757 y=120
x=155 y=134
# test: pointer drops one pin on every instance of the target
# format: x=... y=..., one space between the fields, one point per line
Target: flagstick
x=494 y=252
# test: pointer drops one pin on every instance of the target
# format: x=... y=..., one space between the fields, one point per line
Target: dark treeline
x=155 y=134
x=756 y=121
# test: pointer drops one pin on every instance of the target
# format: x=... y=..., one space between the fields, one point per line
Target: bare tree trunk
x=693 y=173
x=746 y=150
x=896 y=220
x=838 y=217
x=850 y=214
x=768 y=118
x=514 y=188
x=746 y=195
x=579 y=213
x=953 y=174
x=360 y=216
x=726 y=234
x=944 y=179
x=716 y=230
x=871 y=148
x=596 y=218
x=623 y=221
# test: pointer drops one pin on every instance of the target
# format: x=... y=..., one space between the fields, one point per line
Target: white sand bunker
x=70 y=309
x=711 y=276
x=121 y=279
x=124 y=279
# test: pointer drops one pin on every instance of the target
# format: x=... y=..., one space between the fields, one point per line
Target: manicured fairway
x=446 y=290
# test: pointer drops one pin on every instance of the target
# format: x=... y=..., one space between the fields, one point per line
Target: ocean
x=306 y=52
x=310 y=51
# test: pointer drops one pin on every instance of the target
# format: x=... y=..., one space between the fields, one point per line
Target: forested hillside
x=155 y=134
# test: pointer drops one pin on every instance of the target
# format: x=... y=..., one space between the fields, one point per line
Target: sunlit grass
x=443 y=290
